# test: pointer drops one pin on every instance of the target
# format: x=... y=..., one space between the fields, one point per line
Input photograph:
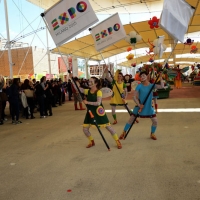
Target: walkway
x=46 y=159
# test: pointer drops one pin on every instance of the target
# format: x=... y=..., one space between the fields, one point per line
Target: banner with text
x=108 y=32
x=68 y=18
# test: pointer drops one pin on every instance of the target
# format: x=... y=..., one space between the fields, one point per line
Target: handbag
x=29 y=93
x=3 y=96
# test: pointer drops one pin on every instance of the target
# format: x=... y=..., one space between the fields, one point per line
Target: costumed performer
x=117 y=99
x=178 y=83
x=94 y=104
x=128 y=80
x=145 y=111
x=77 y=96
x=137 y=76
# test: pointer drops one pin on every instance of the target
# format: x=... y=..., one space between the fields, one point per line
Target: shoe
x=119 y=145
x=32 y=117
x=91 y=144
x=1 y=123
x=42 y=116
x=121 y=137
x=18 y=122
x=50 y=114
x=115 y=122
x=153 y=137
x=13 y=122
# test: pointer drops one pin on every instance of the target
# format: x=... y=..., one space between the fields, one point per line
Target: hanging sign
x=68 y=18
x=108 y=32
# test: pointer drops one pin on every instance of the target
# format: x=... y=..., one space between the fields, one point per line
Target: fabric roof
x=112 y=6
x=84 y=47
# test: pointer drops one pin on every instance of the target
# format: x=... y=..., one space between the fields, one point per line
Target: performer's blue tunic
x=143 y=91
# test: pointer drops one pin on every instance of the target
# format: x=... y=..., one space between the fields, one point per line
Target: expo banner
x=67 y=18
x=108 y=32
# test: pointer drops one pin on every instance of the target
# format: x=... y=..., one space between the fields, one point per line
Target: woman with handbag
x=29 y=92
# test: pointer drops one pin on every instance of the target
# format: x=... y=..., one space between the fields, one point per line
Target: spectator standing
x=40 y=94
x=14 y=93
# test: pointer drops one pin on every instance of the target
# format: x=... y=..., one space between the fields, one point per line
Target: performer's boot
x=137 y=121
x=153 y=130
x=81 y=106
x=115 y=122
x=91 y=142
x=115 y=119
x=156 y=107
x=76 y=106
x=119 y=145
x=121 y=137
x=126 y=128
x=153 y=136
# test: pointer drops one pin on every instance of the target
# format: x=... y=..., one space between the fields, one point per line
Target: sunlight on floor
x=166 y=110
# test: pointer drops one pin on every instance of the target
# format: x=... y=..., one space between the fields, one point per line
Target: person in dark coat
x=14 y=93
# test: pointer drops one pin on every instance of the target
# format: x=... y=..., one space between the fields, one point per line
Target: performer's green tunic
x=98 y=111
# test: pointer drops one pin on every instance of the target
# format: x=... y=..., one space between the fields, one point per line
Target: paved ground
x=46 y=159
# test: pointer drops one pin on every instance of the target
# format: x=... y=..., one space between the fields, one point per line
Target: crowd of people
x=27 y=97
x=30 y=96
x=42 y=95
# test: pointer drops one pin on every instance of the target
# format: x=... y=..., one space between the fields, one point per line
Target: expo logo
x=65 y=17
x=107 y=32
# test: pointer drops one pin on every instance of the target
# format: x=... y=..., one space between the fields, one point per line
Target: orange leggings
x=178 y=84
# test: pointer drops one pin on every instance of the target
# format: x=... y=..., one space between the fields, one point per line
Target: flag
x=67 y=18
x=108 y=32
x=175 y=18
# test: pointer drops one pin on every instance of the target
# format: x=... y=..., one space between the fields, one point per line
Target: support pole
x=48 y=52
x=8 y=40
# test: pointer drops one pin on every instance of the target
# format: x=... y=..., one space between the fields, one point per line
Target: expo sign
x=65 y=17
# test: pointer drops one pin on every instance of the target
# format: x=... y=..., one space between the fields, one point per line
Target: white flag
x=68 y=18
x=108 y=32
x=175 y=18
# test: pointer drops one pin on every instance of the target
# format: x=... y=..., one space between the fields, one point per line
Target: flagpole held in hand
x=121 y=95
x=90 y=112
